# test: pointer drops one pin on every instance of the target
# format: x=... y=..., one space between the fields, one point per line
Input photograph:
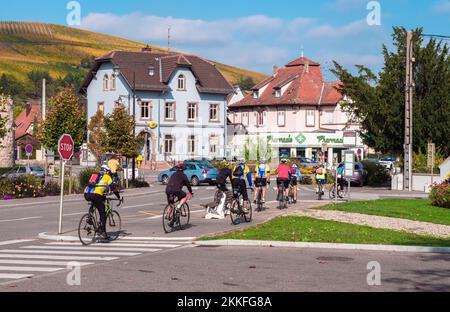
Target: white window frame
x=213 y=148
x=245 y=118
x=260 y=118
x=166 y=105
x=217 y=109
x=189 y=108
x=256 y=94
x=113 y=82
x=192 y=144
x=277 y=93
x=181 y=81
x=149 y=110
x=169 y=142
x=310 y=113
x=105 y=82
x=281 y=114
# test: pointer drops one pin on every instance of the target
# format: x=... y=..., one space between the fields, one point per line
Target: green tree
x=3 y=120
x=36 y=76
x=97 y=135
x=66 y=115
x=246 y=84
x=119 y=133
x=11 y=86
x=378 y=102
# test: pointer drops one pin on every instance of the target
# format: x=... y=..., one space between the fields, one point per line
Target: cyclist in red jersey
x=283 y=176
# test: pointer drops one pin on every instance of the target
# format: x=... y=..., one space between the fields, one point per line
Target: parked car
x=388 y=162
x=195 y=171
x=308 y=163
x=359 y=174
x=24 y=170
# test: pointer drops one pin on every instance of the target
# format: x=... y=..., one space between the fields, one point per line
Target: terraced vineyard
x=25 y=46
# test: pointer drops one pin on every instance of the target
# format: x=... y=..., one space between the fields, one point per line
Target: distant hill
x=25 y=46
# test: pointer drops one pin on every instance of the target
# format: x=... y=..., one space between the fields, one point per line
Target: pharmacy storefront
x=319 y=146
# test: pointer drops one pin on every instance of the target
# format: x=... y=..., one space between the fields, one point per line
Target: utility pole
x=409 y=84
x=43 y=101
x=133 y=176
x=168 y=39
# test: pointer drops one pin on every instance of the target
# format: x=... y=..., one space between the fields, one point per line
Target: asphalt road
x=146 y=259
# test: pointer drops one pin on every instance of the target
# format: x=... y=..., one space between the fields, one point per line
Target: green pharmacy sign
x=323 y=139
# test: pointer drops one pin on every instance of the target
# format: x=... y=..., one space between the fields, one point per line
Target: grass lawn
x=412 y=209
x=305 y=229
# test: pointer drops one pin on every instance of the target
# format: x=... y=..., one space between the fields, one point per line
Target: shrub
x=75 y=187
x=52 y=188
x=6 y=188
x=440 y=195
x=84 y=176
x=27 y=186
x=377 y=175
x=138 y=184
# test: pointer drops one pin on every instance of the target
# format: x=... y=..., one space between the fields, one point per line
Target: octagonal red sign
x=66 y=146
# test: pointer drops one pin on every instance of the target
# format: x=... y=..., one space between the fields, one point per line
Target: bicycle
x=340 y=193
x=89 y=224
x=291 y=197
x=237 y=213
x=259 y=203
x=172 y=216
x=320 y=193
x=282 y=200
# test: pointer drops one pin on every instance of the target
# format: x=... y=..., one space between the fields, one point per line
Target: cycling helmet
x=294 y=166
x=283 y=161
x=180 y=166
x=105 y=168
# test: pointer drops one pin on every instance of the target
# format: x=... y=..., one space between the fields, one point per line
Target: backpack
x=293 y=171
x=238 y=171
x=94 y=179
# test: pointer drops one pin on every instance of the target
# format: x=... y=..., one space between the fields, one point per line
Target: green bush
x=75 y=186
x=6 y=188
x=138 y=184
x=377 y=175
x=440 y=195
x=27 y=186
x=84 y=176
x=52 y=188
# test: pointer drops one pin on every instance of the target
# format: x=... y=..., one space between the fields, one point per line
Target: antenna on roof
x=168 y=39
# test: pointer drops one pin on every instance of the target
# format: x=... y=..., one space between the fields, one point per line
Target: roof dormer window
x=151 y=71
x=181 y=82
x=277 y=93
x=255 y=94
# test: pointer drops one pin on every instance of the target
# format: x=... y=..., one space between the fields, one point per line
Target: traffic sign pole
x=65 y=148
x=61 y=197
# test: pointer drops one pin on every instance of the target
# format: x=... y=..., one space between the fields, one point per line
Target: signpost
x=29 y=151
x=66 y=147
x=431 y=158
x=349 y=167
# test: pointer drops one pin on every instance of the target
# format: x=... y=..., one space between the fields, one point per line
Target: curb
x=57 y=237
x=256 y=243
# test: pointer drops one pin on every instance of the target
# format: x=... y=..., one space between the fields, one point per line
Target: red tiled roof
x=209 y=78
x=26 y=118
x=307 y=87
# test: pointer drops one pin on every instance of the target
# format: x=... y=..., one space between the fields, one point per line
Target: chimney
x=275 y=69
x=147 y=48
x=306 y=67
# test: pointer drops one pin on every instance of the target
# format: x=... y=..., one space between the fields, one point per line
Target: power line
x=436 y=36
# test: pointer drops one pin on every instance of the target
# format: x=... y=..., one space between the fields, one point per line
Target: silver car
x=24 y=170
x=308 y=163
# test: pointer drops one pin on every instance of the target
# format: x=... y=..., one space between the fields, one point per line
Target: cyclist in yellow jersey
x=262 y=178
x=320 y=177
x=96 y=194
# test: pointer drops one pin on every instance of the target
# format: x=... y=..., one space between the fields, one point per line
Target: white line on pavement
x=26 y=269
x=140 y=245
x=98 y=248
x=14 y=276
x=158 y=238
x=49 y=257
x=16 y=241
x=20 y=219
x=81 y=253
x=38 y=262
x=142 y=205
x=73 y=214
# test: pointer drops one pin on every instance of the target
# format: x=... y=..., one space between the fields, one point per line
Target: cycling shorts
x=179 y=195
x=281 y=181
x=261 y=182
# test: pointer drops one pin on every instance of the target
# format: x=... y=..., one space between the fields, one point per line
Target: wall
x=421 y=182
x=7 y=143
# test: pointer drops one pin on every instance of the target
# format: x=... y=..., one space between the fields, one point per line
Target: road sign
x=430 y=154
x=349 y=164
x=66 y=147
x=29 y=149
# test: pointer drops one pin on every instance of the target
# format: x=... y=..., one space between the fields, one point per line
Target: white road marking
x=50 y=257
x=136 y=206
x=205 y=198
x=20 y=219
x=27 y=269
x=73 y=214
x=16 y=241
x=38 y=262
x=139 y=245
x=158 y=238
x=79 y=247
x=14 y=276
x=81 y=253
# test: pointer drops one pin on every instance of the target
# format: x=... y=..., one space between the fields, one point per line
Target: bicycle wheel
x=332 y=192
x=281 y=196
x=86 y=229
x=114 y=225
x=248 y=216
x=168 y=219
x=320 y=191
x=185 y=215
x=235 y=212
x=259 y=201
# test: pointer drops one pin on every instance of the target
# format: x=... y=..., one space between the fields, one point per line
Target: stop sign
x=66 y=146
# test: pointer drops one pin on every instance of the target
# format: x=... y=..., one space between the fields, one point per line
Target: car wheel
x=165 y=180
x=195 y=181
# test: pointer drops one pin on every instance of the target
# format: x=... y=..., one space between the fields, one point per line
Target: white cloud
x=347 y=5
x=330 y=31
x=442 y=6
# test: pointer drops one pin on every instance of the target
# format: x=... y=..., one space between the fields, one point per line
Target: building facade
x=184 y=96
x=294 y=113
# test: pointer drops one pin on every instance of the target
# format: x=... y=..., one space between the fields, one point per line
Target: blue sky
x=255 y=34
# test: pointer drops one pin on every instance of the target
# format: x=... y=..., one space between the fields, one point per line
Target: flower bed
x=440 y=195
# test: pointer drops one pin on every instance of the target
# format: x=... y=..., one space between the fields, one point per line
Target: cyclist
x=175 y=186
x=262 y=178
x=320 y=177
x=219 y=203
x=341 y=179
x=96 y=194
x=283 y=177
x=114 y=164
x=241 y=172
x=296 y=177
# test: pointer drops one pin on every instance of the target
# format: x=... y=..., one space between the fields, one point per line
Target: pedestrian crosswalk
x=21 y=261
